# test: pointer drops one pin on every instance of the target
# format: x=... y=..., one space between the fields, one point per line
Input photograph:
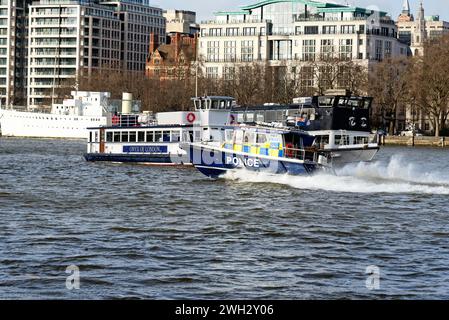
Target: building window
x=348 y=29
x=213 y=51
x=378 y=50
x=247 y=51
x=229 y=73
x=387 y=49
x=249 y=31
x=212 y=72
x=308 y=50
x=230 y=51
x=215 y=32
x=307 y=76
x=329 y=29
x=311 y=30
x=230 y=32
x=327 y=49
x=346 y=49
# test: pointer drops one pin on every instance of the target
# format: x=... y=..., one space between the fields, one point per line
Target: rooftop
x=322 y=7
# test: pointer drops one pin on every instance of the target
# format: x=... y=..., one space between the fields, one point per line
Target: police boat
x=227 y=146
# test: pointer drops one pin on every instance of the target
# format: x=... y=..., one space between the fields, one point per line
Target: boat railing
x=125 y=120
x=307 y=154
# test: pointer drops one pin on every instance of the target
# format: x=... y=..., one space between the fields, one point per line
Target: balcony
x=214 y=22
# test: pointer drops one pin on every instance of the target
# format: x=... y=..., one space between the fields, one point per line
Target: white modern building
x=13 y=50
x=138 y=20
x=65 y=40
x=44 y=43
x=296 y=32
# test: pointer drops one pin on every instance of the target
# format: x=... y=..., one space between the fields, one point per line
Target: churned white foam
x=394 y=176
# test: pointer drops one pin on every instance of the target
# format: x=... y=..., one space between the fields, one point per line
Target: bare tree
x=433 y=80
x=388 y=83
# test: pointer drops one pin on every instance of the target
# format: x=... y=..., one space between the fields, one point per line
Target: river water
x=169 y=233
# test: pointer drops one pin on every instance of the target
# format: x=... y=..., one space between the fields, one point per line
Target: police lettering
x=243 y=162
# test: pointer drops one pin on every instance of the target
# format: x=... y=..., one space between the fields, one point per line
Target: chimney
x=195 y=45
x=177 y=44
x=154 y=43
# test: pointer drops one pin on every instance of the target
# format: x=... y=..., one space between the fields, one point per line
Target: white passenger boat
x=67 y=120
x=157 y=143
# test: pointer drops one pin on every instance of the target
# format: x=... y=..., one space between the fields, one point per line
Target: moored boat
x=67 y=120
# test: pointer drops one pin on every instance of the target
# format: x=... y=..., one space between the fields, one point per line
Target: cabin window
x=229 y=135
x=125 y=136
x=250 y=117
x=150 y=136
x=157 y=136
x=132 y=136
x=96 y=136
x=90 y=136
x=342 y=140
x=238 y=137
x=116 y=136
x=322 y=140
x=108 y=136
x=175 y=136
x=360 y=140
x=261 y=138
x=249 y=137
x=166 y=136
x=326 y=101
x=141 y=136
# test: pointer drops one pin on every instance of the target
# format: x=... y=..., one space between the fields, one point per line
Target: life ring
x=115 y=120
x=288 y=150
x=191 y=117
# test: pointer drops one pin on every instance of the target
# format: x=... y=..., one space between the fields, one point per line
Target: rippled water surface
x=145 y=232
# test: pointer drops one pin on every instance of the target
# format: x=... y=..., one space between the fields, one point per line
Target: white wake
x=394 y=176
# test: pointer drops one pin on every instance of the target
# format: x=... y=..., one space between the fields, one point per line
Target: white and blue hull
x=216 y=162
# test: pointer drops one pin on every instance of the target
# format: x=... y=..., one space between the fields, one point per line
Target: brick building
x=172 y=60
